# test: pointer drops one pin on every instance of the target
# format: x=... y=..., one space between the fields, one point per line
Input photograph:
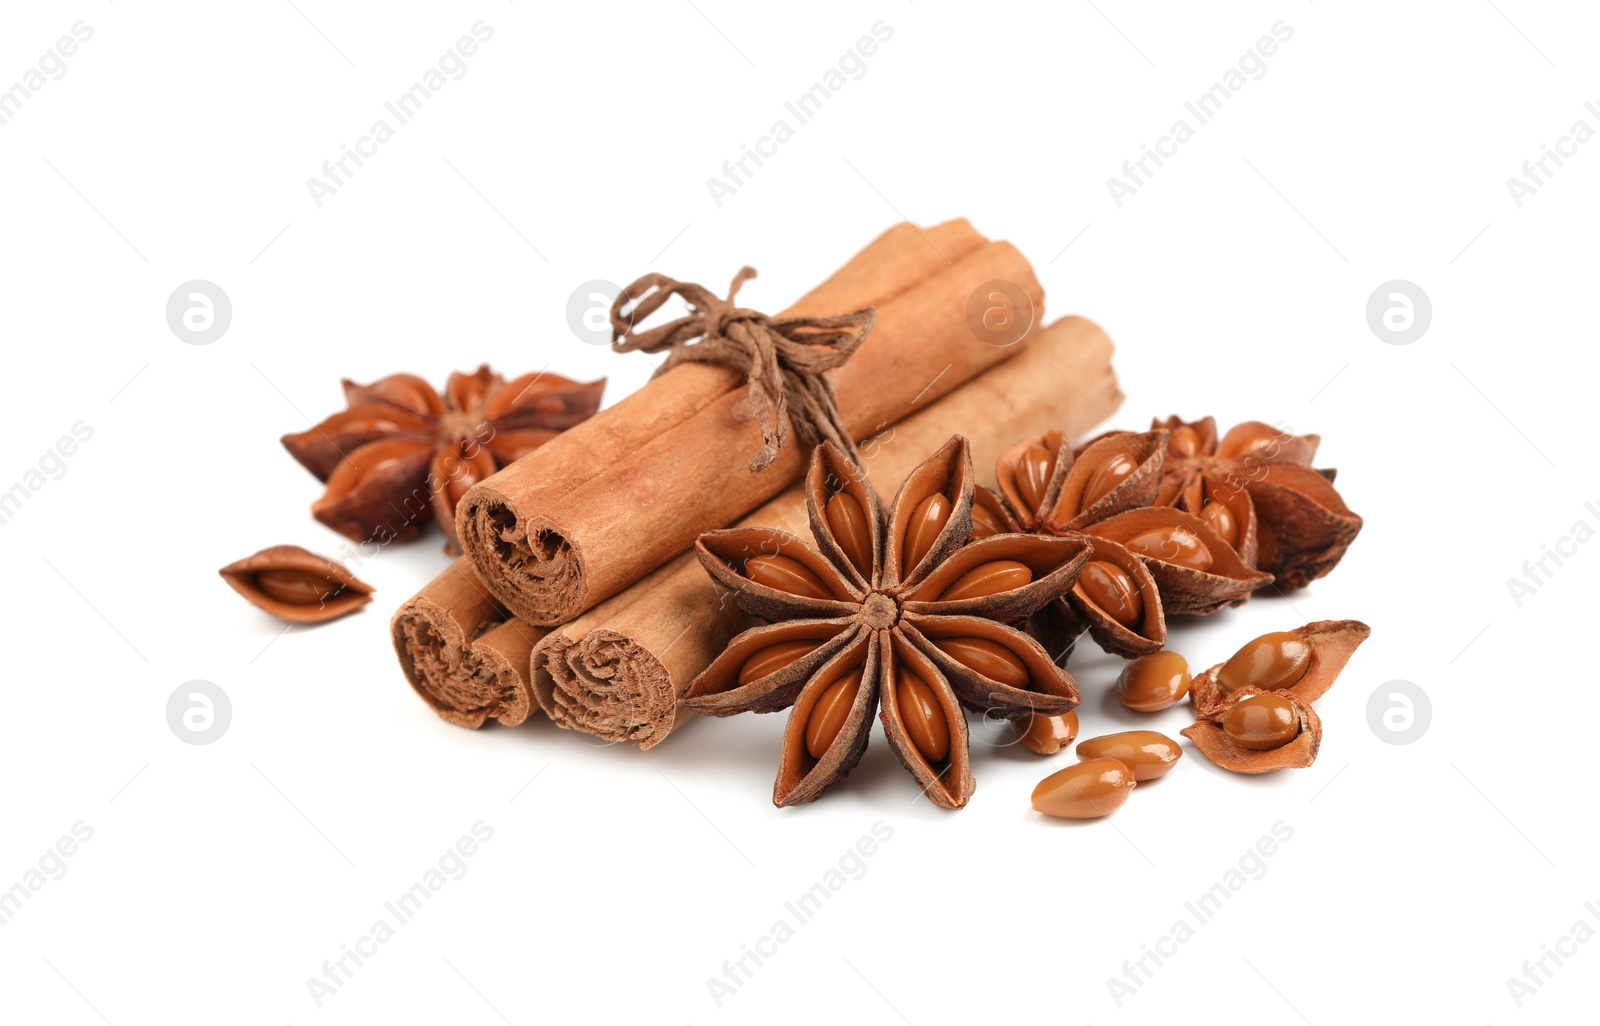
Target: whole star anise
x=401 y=454
x=1145 y=562
x=1256 y=487
x=896 y=614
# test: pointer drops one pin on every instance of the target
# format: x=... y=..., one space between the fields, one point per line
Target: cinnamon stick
x=551 y=558
x=889 y=265
x=617 y=671
x=461 y=654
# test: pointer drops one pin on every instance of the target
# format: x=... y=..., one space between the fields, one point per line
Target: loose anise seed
x=1086 y=790
x=772 y=659
x=1147 y=753
x=1271 y=662
x=1154 y=682
x=1262 y=722
x=1113 y=473
x=849 y=524
x=927 y=520
x=922 y=716
x=984 y=523
x=1221 y=520
x=1177 y=545
x=297 y=587
x=832 y=709
x=1034 y=470
x=987 y=579
x=786 y=574
x=1112 y=591
x=989 y=658
x=1048 y=735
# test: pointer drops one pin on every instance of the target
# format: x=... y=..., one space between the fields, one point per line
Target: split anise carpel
x=896 y=614
x=1145 y=563
x=401 y=454
x=1256 y=487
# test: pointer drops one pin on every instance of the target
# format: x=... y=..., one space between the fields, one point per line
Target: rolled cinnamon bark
x=617 y=671
x=901 y=257
x=461 y=654
x=550 y=559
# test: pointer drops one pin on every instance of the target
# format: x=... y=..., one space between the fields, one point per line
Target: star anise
x=1256 y=487
x=898 y=612
x=1145 y=563
x=401 y=454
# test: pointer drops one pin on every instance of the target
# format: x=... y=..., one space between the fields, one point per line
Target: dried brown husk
x=1312 y=526
x=801 y=778
x=1215 y=744
x=1054 y=562
x=1228 y=582
x=1078 y=610
x=717 y=691
x=950 y=784
x=1331 y=642
x=353 y=592
x=1064 y=510
x=985 y=694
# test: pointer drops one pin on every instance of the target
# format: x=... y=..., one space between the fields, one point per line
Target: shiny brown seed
x=848 y=521
x=1102 y=481
x=1034 y=471
x=1221 y=520
x=989 y=578
x=928 y=518
x=1145 y=752
x=831 y=710
x=1271 y=662
x=786 y=574
x=1184 y=442
x=1154 y=682
x=989 y=658
x=1109 y=588
x=984 y=523
x=1177 y=545
x=773 y=658
x=922 y=716
x=1262 y=722
x=297 y=587
x=1048 y=735
x=1086 y=790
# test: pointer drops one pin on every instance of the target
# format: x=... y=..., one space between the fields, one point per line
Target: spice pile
x=959 y=595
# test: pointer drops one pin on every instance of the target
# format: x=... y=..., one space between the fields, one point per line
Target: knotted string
x=782 y=359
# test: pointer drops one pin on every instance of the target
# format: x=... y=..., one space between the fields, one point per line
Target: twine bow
x=782 y=359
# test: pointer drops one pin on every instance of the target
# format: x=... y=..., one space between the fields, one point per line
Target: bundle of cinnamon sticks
x=577 y=594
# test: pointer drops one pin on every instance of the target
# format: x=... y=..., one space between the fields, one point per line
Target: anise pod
x=295 y=585
x=1197 y=571
x=890 y=613
x=1257 y=489
x=402 y=454
x=1253 y=712
x=1046 y=487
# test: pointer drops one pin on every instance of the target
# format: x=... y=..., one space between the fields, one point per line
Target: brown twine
x=782 y=359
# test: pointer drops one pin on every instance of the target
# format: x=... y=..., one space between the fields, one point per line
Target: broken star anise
x=1256 y=488
x=401 y=454
x=896 y=614
x=1145 y=562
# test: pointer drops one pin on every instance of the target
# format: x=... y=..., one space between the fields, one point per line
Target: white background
x=220 y=877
